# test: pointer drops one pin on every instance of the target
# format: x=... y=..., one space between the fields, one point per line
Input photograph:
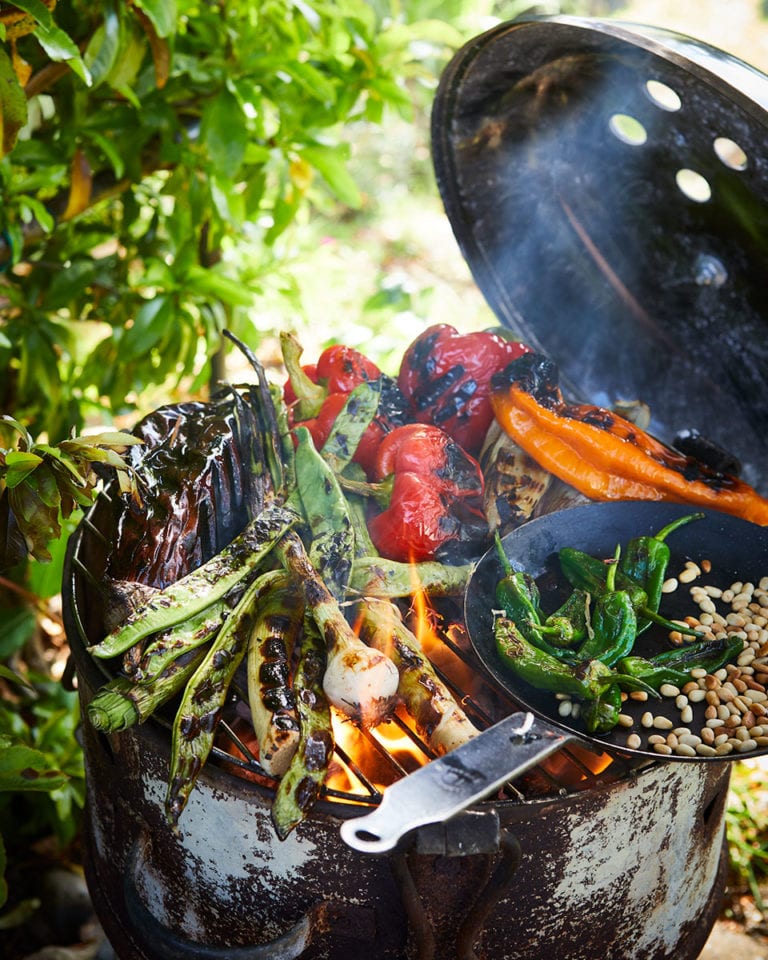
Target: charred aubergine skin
x=202 y=476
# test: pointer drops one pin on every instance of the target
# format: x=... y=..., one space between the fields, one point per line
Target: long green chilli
x=205 y=694
x=378 y=577
x=209 y=582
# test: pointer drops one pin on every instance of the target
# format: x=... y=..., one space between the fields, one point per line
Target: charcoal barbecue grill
x=584 y=856
x=514 y=876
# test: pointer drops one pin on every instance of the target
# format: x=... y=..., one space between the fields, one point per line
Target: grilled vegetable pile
x=251 y=547
x=270 y=519
x=584 y=651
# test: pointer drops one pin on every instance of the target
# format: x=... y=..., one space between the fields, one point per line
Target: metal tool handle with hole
x=452 y=783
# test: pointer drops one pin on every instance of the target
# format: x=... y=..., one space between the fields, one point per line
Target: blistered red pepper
x=445 y=376
x=339 y=369
x=436 y=506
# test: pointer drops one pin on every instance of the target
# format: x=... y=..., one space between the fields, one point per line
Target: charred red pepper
x=435 y=510
x=315 y=394
x=445 y=376
x=339 y=369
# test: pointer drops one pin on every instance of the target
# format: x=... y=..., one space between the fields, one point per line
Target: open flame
x=367 y=761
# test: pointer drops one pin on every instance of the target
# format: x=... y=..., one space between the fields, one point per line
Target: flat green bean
x=302 y=782
x=205 y=695
x=199 y=589
x=325 y=510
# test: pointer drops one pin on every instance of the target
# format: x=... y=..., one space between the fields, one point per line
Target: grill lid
x=608 y=186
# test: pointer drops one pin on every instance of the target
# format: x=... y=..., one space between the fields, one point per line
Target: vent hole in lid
x=663 y=96
x=627 y=129
x=693 y=185
x=730 y=153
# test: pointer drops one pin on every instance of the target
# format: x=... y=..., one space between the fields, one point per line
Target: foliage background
x=186 y=166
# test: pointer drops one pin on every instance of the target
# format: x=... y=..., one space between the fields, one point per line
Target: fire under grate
x=372 y=763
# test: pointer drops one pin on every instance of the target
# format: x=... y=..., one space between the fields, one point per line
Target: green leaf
x=26 y=437
x=162 y=13
x=210 y=282
x=104 y=46
x=127 y=63
x=19 y=465
x=61 y=47
x=45 y=579
x=33 y=209
x=23 y=768
x=224 y=132
x=148 y=328
x=13 y=677
x=117 y=439
x=110 y=150
x=36 y=9
x=330 y=164
x=312 y=81
x=18 y=625
x=37 y=519
x=13 y=105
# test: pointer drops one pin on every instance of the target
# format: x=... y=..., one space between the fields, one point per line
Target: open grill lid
x=608 y=186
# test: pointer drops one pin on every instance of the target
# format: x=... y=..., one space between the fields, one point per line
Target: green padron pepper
x=674 y=666
x=645 y=561
x=614 y=622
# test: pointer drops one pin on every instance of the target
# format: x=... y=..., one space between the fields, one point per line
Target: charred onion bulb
x=359 y=681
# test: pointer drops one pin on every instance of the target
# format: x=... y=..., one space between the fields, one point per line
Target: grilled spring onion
x=359 y=681
x=121 y=703
x=439 y=718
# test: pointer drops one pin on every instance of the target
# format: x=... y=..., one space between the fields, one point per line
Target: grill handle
x=450 y=784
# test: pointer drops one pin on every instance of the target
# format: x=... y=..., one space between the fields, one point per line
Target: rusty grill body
x=627 y=864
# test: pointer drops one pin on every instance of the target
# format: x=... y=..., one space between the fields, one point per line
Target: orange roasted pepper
x=601 y=454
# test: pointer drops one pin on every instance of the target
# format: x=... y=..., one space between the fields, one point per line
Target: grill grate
x=370 y=764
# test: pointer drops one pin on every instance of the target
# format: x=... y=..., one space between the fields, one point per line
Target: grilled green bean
x=271 y=697
x=177 y=641
x=199 y=589
x=300 y=787
x=353 y=420
x=204 y=697
x=325 y=510
x=356 y=505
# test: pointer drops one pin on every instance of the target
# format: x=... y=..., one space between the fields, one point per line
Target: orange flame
x=380 y=756
x=370 y=752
